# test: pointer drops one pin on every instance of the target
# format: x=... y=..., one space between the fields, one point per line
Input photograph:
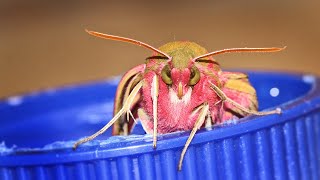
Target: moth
x=180 y=88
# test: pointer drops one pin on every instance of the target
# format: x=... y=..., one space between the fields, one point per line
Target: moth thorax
x=180 y=60
x=182 y=52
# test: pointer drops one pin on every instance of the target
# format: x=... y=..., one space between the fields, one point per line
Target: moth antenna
x=232 y=50
x=128 y=40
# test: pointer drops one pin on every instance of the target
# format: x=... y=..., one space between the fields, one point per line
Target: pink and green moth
x=179 y=88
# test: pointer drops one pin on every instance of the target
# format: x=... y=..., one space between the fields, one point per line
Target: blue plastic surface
x=38 y=130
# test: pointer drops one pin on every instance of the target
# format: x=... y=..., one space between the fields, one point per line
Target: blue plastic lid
x=37 y=132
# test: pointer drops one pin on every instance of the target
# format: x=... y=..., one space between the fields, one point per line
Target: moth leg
x=224 y=98
x=154 y=94
x=217 y=102
x=203 y=113
x=134 y=119
x=128 y=115
x=130 y=100
x=221 y=109
x=126 y=107
x=125 y=126
x=208 y=122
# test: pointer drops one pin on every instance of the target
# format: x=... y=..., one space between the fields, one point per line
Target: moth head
x=189 y=76
x=180 y=79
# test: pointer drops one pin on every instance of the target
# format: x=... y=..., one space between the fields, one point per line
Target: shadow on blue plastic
x=38 y=130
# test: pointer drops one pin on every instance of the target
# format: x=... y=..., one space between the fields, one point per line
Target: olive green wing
x=237 y=87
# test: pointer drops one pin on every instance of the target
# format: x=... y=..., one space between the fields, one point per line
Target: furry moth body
x=181 y=87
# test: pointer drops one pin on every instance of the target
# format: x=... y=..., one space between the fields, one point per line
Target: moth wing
x=124 y=125
x=237 y=87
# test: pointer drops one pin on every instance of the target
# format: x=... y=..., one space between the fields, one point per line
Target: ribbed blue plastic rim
x=276 y=147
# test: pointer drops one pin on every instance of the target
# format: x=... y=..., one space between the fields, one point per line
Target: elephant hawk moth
x=180 y=87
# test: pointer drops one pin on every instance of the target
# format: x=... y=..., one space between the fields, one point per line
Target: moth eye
x=166 y=75
x=194 y=76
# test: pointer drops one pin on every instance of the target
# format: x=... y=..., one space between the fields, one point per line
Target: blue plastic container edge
x=310 y=102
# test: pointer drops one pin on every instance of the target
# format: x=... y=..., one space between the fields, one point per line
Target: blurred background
x=43 y=43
